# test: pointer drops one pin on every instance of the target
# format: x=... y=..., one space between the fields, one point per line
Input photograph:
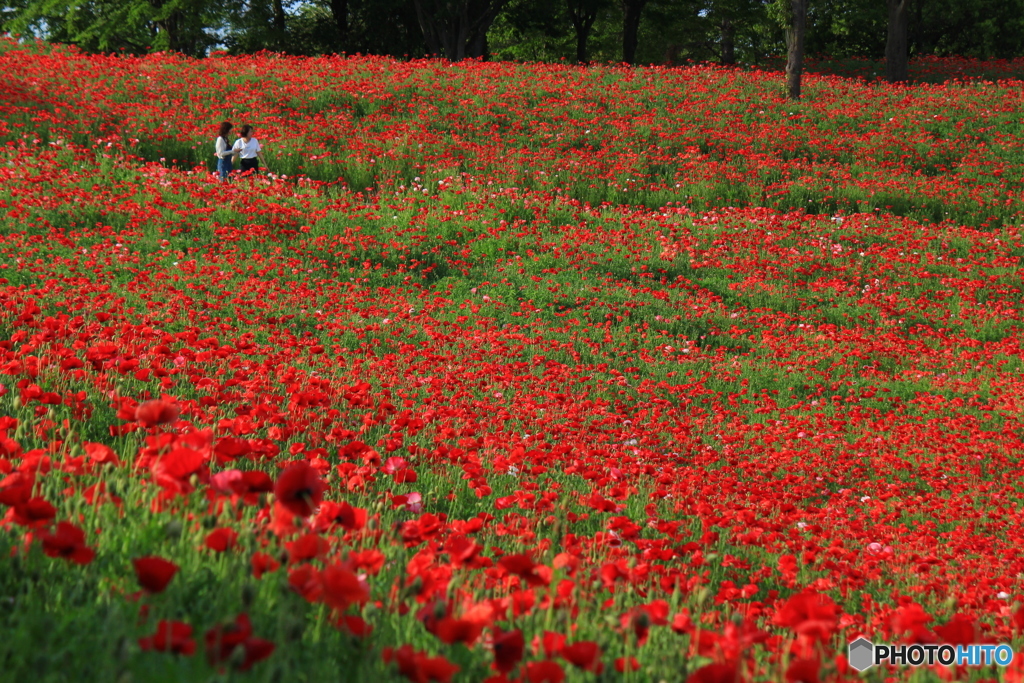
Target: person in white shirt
x=223 y=151
x=249 y=149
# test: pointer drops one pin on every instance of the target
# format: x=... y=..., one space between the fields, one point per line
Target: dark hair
x=224 y=128
x=245 y=130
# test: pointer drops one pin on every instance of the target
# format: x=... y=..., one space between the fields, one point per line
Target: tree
x=896 y=44
x=261 y=25
x=631 y=12
x=527 y=30
x=729 y=24
x=582 y=15
x=383 y=27
x=795 y=47
x=339 y=10
x=845 y=28
x=136 y=26
x=978 y=28
x=457 y=28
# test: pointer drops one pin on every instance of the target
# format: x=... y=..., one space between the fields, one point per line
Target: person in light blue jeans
x=223 y=151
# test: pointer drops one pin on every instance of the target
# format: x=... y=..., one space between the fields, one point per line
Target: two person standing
x=246 y=146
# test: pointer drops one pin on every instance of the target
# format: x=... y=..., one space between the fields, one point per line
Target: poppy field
x=504 y=372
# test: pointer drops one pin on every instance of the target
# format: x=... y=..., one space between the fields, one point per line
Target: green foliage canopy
x=670 y=31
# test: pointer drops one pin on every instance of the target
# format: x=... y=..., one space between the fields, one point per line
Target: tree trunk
x=456 y=50
x=795 y=45
x=582 y=57
x=339 y=8
x=918 y=26
x=671 y=54
x=479 y=21
x=582 y=14
x=477 y=45
x=279 y=17
x=280 y=42
x=896 y=43
x=169 y=27
x=630 y=28
x=457 y=29
x=428 y=26
x=728 y=42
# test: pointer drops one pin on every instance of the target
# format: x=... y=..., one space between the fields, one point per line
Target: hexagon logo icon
x=861 y=654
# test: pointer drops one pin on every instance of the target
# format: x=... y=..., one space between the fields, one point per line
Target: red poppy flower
x=230 y=448
x=810 y=614
x=255 y=481
x=341 y=588
x=263 y=563
x=154 y=573
x=174 y=470
x=256 y=650
x=33 y=512
x=716 y=673
x=545 y=671
x=418 y=666
x=156 y=412
x=100 y=454
x=1018 y=620
x=221 y=539
x=68 y=541
x=342 y=514
x=283 y=522
x=221 y=641
x=170 y=636
x=552 y=642
x=450 y=631
x=803 y=671
x=624 y=664
x=245 y=484
x=16 y=488
x=307 y=547
x=508 y=649
x=960 y=630
x=681 y=622
x=523 y=566
x=299 y=489
x=461 y=550
x=355 y=625
x=372 y=560
x=305 y=580
x=584 y=654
